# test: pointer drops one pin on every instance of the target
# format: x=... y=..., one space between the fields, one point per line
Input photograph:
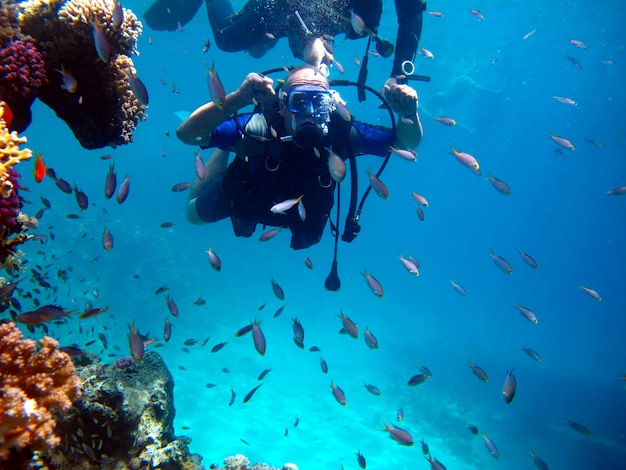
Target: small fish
x=436 y=14
x=110 y=183
x=478 y=372
x=45 y=202
x=218 y=347
x=409 y=265
x=425 y=449
x=538 y=462
x=200 y=168
x=370 y=339
x=349 y=326
x=532 y=354
x=501 y=263
x=617 y=191
x=420 y=199
x=467 y=160
x=244 y=330
x=308 y=263
x=529 y=34
x=278 y=291
x=179 y=187
x=39 y=172
x=214 y=260
x=473 y=429
x=574 y=61
x=399 y=415
x=563 y=142
x=477 y=14
x=69 y=82
x=167 y=224
x=81 y=198
x=446 y=121
x=510 y=384
x=279 y=311
x=41 y=314
x=190 y=342
x=417 y=380
x=372 y=389
x=491 y=447
x=426 y=53
x=137 y=347
x=569 y=101
x=361 y=460
x=323 y=365
x=500 y=185
x=233 y=395
x=528 y=259
x=100 y=40
x=118 y=15
x=373 y=284
x=167 y=331
x=338 y=394
x=250 y=393
x=460 y=289
x=160 y=290
x=62 y=185
x=283 y=207
x=408 y=155
x=216 y=89
x=122 y=192
x=377 y=185
x=578 y=44
x=592 y=293
x=301 y=211
x=268 y=235
x=595 y=142
x=528 y=314
x=258 y=338
x=420 y=213
x=399 y=435
x=357 y=23
x=107 y=239
x=579 y=428
x=263 y=374
x=171 y=305
x=298 y=331
x=139 y=89
x=210 y=385
x=336 y=166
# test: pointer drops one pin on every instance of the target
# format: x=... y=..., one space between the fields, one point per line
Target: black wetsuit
x=261 y=22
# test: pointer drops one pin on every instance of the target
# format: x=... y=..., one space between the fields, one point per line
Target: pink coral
x=22 y=70
x=10 y=207
x=32 y=382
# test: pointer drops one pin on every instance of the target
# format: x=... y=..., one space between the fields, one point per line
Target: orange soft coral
x=32 y=382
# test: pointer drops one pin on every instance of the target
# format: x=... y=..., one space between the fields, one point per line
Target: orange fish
x=40 y=168
x=7 y=114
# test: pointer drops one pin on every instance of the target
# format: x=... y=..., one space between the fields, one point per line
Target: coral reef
x=125 y=419
x=103 y=110
x=33 y=383
x=13 y=225
x=22 y=74
x=241 y=462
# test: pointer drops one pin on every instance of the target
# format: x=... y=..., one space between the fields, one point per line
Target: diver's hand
x=255 y=88
x=401 y=98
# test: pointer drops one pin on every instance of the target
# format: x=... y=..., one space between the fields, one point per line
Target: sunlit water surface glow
x=499 y=88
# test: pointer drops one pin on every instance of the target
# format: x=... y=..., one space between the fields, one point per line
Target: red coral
x=22 y=70
x=10 y=207
x=32 y=382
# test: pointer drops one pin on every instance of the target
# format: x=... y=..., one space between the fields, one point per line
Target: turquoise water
x=499 y=88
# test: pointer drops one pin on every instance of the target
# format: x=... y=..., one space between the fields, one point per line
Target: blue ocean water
x=499 y=87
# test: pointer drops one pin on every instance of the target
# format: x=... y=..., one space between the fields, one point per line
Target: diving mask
x=310 y=100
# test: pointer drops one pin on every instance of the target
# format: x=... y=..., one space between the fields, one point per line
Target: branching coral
x=103 y=111
x=32 y=382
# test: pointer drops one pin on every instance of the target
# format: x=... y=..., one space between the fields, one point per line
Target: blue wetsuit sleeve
x=374 y=140
x=228 y=133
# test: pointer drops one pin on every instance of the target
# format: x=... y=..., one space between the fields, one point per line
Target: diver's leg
x=170 y=14
x=207 y=201
x=409 y=13
x=246 y=29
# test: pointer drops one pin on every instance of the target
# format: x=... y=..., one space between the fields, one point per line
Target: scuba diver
x=286 y=152
x=260 y=23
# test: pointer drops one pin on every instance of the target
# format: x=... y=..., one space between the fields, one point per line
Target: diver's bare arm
x=197 y=128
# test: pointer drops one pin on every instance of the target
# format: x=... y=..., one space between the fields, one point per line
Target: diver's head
x=307 y=105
